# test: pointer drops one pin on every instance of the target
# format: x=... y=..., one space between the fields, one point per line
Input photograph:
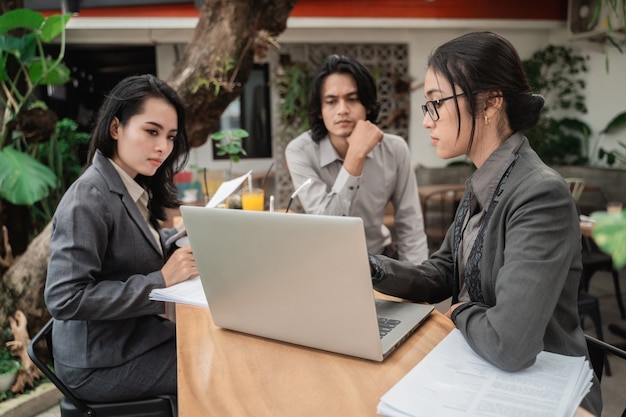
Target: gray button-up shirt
x=387 y=177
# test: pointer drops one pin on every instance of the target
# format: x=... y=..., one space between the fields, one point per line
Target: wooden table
x=226 y=373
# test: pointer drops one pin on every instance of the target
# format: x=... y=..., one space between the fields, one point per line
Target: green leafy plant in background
x=616 y=13
x=293 y=83
x=230 y=142
x=219 y=78
x=24 y=67
x=61 y=154
x=615 y=157
x=609 y=233
x=556 y=73
x=8 y=364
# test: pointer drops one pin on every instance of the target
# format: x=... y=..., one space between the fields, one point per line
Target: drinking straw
x=295 y=193
x=264 y=183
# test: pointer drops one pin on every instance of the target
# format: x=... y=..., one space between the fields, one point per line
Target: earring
x=487 y=120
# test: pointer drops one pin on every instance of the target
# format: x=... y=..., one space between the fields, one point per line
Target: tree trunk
x=23 y=283
x=227 y=30
x=7 y=5
x=227 y=34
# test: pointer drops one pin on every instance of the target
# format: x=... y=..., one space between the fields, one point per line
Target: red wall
x=448 y=9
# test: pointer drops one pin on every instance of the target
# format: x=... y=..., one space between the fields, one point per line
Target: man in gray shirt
x=356 y=168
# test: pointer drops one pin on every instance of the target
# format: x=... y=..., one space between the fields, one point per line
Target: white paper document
x=224 y=190
x=452 y=380
x=186 y=292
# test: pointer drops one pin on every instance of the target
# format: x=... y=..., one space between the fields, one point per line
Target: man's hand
x=365 y=136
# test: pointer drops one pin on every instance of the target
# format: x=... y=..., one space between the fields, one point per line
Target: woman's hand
x=180 y=266
x=452 y=308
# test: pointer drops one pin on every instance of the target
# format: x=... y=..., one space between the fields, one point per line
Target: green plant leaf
x=53 y=26
x=56 y=75
x=616 y=123
x=609 y=233
x=240 y=133
x=218 y=135
x=23 y=48
x=23 y=179
x=9 y=366
x=20 y=18
x=3 y=68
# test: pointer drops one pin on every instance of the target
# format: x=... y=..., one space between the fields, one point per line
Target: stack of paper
x=452 y=380
x=186 y=292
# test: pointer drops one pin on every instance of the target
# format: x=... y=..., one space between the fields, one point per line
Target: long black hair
x=366 y=90
x=485 y=61
x=126 y=100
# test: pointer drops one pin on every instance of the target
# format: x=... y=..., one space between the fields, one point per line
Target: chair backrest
x=598 y=350
x=72 y=406
x=45 y=334
x=438 y=211
x=576 y=186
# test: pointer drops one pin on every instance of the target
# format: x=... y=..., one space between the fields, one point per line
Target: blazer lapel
x=116 y=186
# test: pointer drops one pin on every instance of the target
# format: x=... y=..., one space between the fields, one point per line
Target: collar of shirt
x=484 y=181
x=135 y=190
x=328 y=154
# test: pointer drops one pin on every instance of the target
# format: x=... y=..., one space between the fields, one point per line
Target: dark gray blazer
x=103 y=263
x=530 y=271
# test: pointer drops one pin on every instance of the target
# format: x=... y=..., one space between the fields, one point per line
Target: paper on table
x=224 y=190
x=452 y=380
x=186 y=292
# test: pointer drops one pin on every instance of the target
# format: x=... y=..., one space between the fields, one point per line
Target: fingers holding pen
x=180 y=266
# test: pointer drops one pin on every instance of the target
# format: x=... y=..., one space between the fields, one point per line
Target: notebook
x=297 y=278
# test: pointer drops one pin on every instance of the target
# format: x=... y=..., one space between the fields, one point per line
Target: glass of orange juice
x=253 y=199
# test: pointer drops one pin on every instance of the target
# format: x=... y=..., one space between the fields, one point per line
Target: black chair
x=438 y=209
x=589 y=306
x=598 y=353
x=595 y=260
x=72 y=406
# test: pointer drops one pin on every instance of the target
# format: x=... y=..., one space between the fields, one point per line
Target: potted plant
x=230 y=142
x=8 y=373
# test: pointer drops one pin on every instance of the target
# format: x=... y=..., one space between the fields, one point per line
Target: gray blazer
x=103 y=264
x=530 y=270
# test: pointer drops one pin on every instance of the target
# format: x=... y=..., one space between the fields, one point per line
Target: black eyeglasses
x=432 y=106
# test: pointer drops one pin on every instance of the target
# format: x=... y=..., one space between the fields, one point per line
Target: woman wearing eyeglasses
x=511 y=259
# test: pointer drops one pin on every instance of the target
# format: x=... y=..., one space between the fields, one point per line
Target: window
x=251 y=111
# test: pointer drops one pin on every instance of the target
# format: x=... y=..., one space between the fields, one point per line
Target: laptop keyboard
x=385 y=325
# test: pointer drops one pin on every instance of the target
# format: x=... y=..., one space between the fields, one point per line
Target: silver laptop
x=298 y=278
